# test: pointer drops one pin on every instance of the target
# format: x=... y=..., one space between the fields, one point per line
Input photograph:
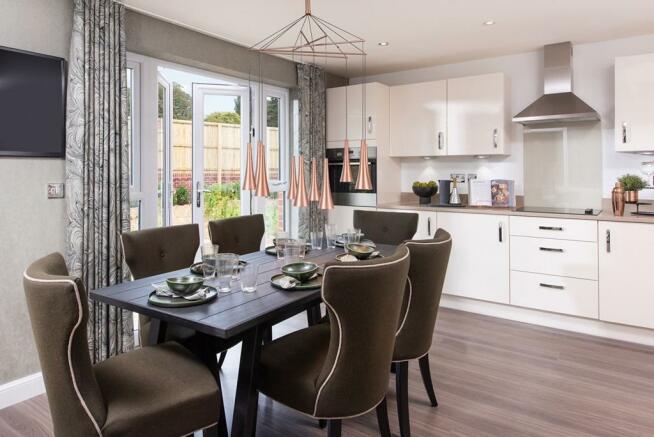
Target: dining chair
x=429 y=259
x=158 y=390
x=151 y=252
x=385 y=227
x=239 y=235
x=339 y=370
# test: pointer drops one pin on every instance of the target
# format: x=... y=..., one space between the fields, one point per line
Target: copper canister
x=617 y=199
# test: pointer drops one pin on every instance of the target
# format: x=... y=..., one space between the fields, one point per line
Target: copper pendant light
x=301 y=200
x=346 y=174
x=292 y=189
x=326 y=201
x=263 y=190
x=314 y=194
x=363 y=179
x=249 y=182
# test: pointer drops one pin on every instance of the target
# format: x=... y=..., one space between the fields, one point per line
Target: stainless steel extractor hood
x=559 y=103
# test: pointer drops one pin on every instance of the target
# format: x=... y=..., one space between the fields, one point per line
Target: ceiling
x=420 y=32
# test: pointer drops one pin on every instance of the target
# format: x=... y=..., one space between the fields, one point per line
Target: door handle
x=550 y=249
x=624 y=132
x=608 y=241
x=495 y=138
x=198 y=194
x=429 y=226
x=550 y=228
x=556 y=287
x=370 y=124
x=440 y=140
x=500 y=232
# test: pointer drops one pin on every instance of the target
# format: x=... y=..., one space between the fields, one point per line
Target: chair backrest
x=58 y=312
x=363 y=301
x=239 y=235
x=154 y=251
x=429 y=259
x=384 y=227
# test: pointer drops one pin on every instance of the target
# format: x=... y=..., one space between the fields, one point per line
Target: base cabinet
x=479 y=262
x=626 y=283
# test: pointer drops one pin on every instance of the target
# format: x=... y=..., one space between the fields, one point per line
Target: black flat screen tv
x=32 y=104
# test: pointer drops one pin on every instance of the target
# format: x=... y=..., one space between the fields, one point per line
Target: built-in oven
x=345 y=193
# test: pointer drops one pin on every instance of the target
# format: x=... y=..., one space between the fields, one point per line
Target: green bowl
x=359 y=251
x=185 y=285
x=302 y=271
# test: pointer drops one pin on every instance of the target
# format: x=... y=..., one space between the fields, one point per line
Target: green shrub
x=223 y=200
x=181 y=196
x=631 y=182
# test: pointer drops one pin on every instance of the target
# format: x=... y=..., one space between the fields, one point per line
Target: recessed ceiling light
x=384 y=43
x=489 y=22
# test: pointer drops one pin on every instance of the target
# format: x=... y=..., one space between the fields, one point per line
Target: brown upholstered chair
x=159 y=390
x=151 y=252
x=239 y=235
x=339 y=370
x=429 y=259
x=386 y=227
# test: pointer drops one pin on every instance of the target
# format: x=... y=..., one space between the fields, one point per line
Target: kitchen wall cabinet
x=626 y=285
x=479 y=262
x=347 y=101
x=477 y=119
x=634 y=112
x=418 y=119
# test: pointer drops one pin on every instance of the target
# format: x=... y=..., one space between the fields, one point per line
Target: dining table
x=233 y=317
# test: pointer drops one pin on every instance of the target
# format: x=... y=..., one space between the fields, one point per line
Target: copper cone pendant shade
x=249 y=182
x=326 y=201
x=301 y=200
x=314 y=194
x=346 y=174
x=363 y=179
x=292 y=189
x=263 y=190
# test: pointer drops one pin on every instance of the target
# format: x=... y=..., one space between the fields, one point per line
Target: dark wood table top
x=231 y=313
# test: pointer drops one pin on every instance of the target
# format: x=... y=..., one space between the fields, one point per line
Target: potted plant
x=632 y=184
x=424 y=191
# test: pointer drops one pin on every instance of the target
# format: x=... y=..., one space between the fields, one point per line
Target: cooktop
x=552 y=210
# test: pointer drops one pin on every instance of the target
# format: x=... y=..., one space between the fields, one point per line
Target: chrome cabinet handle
x=500 y=233
x=429 y=226
x=550 y=249
x=495 y=138
x=608 y=241
x=624 y=132
x=550 y=228
x=440 y=140
x=370 y=124
x=556 y=287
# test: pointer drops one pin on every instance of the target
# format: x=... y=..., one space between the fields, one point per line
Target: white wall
x=593 y=82
x=30 y=224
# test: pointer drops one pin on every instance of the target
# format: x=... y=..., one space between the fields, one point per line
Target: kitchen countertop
x=605 y=215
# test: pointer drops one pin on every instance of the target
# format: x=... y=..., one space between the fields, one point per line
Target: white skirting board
x=21 y=389
x=593 y=327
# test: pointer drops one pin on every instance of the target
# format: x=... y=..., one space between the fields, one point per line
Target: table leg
x=157 y=332
x=313 y=315
x=244 y=422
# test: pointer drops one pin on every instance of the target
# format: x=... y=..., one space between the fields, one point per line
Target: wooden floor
x=493 y=378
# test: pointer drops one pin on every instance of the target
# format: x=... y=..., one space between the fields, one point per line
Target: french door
x=221 y=123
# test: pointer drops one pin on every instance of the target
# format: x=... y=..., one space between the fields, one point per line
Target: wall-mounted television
x=32 y=104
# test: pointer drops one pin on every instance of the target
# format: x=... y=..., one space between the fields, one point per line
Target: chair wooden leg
x=221 y=359
x=402 y=389
x=334 y=428
x=313 y=315
x=382 y=419
x=322 y=423
x=426 y=379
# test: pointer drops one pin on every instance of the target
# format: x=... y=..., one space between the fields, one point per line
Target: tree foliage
x=223 y=117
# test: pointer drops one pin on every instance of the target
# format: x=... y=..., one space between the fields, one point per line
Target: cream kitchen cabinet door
x=477 y=119
x=634 y=112
x=418 y=119
x=626 y=283
x=479 y=262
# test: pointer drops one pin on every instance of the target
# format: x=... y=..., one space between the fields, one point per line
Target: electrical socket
x=471 y=176
x=460 y=177
x=55 y=191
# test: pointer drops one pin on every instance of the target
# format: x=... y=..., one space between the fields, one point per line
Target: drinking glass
x=293 y=250
x=249 y=273
x=280 y=244
x=316 y=240
x=330 y=234
x=209 y=252
x=353 y=235
x=225 y=265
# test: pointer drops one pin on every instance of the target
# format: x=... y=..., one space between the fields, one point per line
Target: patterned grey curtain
x=97 y=165
x=311 y=90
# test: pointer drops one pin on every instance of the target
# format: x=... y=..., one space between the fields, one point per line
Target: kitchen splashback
x=563 y=165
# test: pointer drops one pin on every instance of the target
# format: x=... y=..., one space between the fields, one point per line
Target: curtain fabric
x=97 y=165
x=311 y=90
